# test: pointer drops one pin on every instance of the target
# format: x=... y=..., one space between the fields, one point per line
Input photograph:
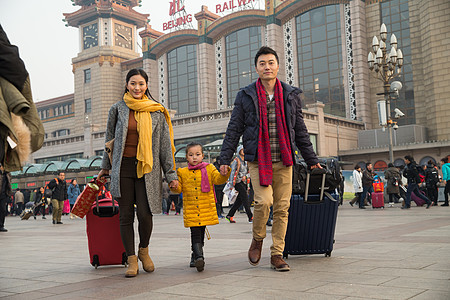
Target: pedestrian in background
x=393 y=178
x=19 y=201
x=412 y=174
x=5 y=194
x=357 y=186
x=240 y=179
x=445 y=178
x=59 y=195
x=197 y=185
x=73 y=191
x=40 y=201
x=367 y=183
x=143 y=148
x=218 y=191
x=165 y=196
x=432 y=181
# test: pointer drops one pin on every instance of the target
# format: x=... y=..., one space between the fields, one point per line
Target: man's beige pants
x=279 y=195
x=57 y=209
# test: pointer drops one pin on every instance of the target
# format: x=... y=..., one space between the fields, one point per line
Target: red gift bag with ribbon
x=87 y=197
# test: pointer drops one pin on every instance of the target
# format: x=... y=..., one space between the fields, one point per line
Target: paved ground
x=379 y=254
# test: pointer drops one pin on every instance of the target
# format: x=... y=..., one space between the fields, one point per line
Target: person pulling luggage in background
x=412 y=174
x=393 y=178
x=73 y=191
x=268 y=115
x=367 y=182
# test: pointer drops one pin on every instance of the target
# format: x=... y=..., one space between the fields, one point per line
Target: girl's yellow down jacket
x=199 y=209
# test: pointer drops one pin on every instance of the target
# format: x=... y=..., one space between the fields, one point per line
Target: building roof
x=57 y=100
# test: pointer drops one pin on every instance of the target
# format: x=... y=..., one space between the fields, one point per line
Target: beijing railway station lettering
x=178 y=14
x=231 y=4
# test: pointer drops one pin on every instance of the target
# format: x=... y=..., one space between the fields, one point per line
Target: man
x=58 y=186
x=412 y=174
x=367 y=182
x=268 y=115
x=5 y=194
x=445 y=178
x=19 y=201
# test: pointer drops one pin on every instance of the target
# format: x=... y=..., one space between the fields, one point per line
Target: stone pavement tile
x=289 y=282
x=342 y=278
x=408 y=273
x=421 y=283
x=66 y=277
x=5 y=294
x=163 y=296
x=434 y=295
x=263 y=293
x=442 y=266
x=366 y=291
x=203 y=290
x=34 y=285
x=393 y=262
x=224 y=280
x=13 y=282
x=28 y=296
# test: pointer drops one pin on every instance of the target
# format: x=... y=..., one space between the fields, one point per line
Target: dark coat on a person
x=389 y=175
x=245 y=122
x=59 y=189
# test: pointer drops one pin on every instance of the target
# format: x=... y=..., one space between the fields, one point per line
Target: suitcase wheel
x=285 y=255
x=95 y=261
x=124 y=259
x=328 y=254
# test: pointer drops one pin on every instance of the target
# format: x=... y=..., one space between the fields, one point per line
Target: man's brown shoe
x=277 y=263
x=254 y=253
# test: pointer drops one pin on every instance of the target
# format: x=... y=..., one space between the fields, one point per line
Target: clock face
x=123 y=36
x=90 y=36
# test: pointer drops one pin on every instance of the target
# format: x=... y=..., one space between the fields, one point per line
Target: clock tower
x=107 y=35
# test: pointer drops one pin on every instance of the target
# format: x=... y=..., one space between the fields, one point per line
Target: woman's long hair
x=141 y=72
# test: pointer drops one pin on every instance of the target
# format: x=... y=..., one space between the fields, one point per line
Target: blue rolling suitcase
x=311 y=223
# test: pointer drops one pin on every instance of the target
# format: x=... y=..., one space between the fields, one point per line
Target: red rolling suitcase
x=103 y=233
x=377 y=200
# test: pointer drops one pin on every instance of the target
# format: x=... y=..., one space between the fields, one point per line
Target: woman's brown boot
x=133 y=267
x=147 y=262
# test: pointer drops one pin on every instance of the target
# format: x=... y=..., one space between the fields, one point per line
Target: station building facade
x=322 y=46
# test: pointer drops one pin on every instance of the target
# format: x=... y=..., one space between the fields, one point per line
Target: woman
x=241 y=180
x=357 y=185
x=40 y=201
x=73 y=191
x=392 y=176
x=143 y=146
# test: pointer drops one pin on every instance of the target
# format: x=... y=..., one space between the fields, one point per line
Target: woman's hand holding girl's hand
x=102 y=173
x=174 y=184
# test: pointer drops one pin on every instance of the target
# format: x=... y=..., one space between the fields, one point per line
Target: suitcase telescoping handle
x=317 y=171
x=96 y=198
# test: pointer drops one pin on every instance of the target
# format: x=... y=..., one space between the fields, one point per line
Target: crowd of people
x=404 y=183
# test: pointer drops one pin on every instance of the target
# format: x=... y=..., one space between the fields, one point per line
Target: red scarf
x=264 y=153
x=205 y=181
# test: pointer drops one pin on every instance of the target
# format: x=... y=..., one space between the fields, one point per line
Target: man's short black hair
x=409 y=157
x=265 y=50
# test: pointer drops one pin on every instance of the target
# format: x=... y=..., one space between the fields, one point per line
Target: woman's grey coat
x=117 y=127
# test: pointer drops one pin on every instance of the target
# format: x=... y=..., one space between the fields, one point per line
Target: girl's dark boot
x=199 y=260
x=192 y=263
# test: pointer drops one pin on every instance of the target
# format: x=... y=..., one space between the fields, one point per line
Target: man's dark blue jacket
x=245 y=121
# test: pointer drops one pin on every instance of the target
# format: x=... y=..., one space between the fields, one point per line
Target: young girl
x=199 y=208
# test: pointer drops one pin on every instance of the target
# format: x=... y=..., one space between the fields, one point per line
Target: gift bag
x=378 y=185
x=87 y=197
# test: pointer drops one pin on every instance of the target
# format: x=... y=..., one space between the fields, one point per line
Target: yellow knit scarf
x=142 y=109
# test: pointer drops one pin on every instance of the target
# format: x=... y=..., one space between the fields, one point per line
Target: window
x=182 y=79
x=320 y=59
x=241 y=47
x=395 y=14
x=87 y=75
x=87 y=106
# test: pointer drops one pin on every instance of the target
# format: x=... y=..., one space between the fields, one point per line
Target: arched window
x=424 y=161
x=241 y=47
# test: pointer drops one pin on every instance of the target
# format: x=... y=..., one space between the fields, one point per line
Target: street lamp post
x=387 y=65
